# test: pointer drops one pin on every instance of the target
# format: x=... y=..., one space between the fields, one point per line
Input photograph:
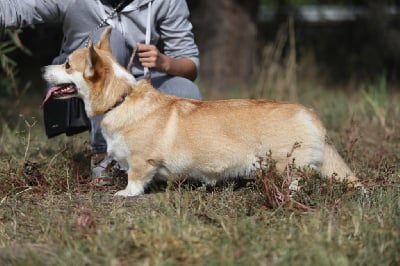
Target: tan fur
x=153 y=133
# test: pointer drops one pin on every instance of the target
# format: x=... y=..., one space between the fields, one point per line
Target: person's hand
x=150 y=57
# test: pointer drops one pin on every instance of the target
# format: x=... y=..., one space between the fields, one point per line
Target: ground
x=51 y=214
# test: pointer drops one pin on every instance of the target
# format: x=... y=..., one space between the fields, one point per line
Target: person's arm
x=180 y=55
x=20 y=13
x=151 y=57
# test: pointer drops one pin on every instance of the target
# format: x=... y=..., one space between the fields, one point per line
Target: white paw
x=132 y=189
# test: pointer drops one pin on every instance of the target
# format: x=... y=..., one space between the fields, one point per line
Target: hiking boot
x=100 y=164
x=107 y=172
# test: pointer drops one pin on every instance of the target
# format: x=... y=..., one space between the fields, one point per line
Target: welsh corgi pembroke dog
x=154 y=134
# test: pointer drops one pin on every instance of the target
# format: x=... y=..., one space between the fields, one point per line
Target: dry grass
x=277 y=75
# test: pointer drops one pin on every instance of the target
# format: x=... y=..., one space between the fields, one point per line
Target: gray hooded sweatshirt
x=171 y=30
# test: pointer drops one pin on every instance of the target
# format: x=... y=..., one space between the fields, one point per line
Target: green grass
x=51 y=215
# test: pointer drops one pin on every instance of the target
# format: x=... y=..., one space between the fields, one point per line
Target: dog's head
x=92 y=74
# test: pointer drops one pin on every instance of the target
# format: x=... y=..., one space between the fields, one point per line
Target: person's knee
x=180 y=87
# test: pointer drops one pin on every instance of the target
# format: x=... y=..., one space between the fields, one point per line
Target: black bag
x=65 y=116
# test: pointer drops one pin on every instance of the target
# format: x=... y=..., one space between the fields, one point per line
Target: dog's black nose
x=43 y=69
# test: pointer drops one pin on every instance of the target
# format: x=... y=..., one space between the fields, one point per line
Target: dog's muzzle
x=61 y=91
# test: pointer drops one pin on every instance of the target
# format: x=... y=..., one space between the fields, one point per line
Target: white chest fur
x=117 y=148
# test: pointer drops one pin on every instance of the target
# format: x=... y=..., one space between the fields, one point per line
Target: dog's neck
x=118 y=103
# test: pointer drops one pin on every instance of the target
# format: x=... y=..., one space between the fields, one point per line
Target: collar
x=118 y=103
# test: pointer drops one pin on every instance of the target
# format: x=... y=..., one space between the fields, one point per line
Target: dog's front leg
x=134 y=188
x=138 y=177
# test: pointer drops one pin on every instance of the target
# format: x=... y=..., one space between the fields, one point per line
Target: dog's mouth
x=61 y=91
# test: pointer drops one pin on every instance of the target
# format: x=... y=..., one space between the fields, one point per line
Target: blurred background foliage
x=9 y=67
x=325 y=2
x=334 y=42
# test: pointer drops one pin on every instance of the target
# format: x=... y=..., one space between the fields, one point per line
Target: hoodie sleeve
x=176 y=32
x=20 y=13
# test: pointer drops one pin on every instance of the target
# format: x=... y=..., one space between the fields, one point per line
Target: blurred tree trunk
x=226 y=32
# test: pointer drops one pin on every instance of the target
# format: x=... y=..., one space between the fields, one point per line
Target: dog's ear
x=104 y=42
x=90 y=61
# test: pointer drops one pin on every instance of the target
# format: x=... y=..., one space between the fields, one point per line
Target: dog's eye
x=67 y=65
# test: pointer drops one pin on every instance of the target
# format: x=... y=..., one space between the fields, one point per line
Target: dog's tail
x=334 y=164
